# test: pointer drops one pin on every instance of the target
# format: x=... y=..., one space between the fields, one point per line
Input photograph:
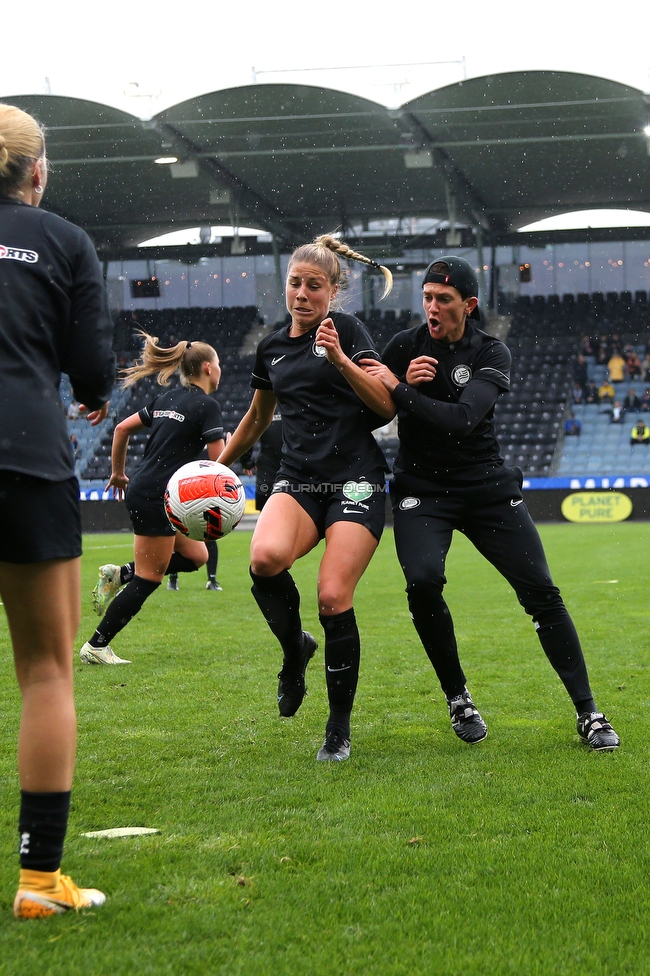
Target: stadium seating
x=543 y=339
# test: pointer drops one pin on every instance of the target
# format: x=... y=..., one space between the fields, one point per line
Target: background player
x=445 y=377
x=267 y=461
x=53 y=318
x=181 y=421
x=331 y=481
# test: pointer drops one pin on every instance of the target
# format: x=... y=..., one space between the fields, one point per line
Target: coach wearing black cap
x=445 y=377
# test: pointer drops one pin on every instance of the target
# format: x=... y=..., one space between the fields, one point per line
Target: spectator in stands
x=640 y=433
x=603 y=352
x=73 y=410
x=578 y=393
x=616 y=367
x=181 y=421
x=572 y=426
x=645 y=368
x=631 y=403
x=606 y=392
x=74 y=444
x=331 y=482
x=645 y=400
x=53 y=319
x=617 y=412
x=591 y=393
x=587 y=346
x=580 y=373
x=633 y=366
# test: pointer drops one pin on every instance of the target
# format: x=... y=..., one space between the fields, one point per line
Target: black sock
x=342 y=655
x=279 y=600
x=213 y=559
x=180 y=564
x=432 y=620
x=42 y=826
x=123 y=608
x=587 y=705
x=561 y=644
x=127 y=573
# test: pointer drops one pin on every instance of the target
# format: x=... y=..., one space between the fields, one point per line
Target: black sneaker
x=172 y=582
x=213 y=585
x=291 y=684
x=335 y=748
x=595 y=730
x=466 y=720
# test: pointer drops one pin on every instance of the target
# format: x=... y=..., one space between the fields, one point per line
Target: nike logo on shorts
x=277 y=359
x=352 y=511
x=516 y=501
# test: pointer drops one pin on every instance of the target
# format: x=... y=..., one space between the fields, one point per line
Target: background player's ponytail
x=186 y=357
x=325 y=252
x=21 y=144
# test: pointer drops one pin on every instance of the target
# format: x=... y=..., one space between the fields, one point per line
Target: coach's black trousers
x=494 y=517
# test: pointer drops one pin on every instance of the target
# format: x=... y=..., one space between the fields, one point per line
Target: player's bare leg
x=43 y=629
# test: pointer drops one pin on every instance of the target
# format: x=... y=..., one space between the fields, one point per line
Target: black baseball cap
x=461 y=276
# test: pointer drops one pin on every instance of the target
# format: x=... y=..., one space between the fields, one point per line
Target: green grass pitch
x=526 y=854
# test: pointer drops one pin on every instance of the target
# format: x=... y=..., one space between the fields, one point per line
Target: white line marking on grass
x=122 y=832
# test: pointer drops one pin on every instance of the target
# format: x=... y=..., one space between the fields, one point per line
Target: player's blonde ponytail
x=342 y=250
x=325 y=252
x=186 y=357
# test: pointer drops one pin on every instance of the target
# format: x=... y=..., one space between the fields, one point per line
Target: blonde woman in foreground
x=331 y=480
x=53 y=319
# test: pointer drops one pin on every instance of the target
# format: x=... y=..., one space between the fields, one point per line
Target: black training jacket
x=53 y=319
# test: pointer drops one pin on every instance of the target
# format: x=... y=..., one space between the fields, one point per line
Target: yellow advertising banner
x=601 y=506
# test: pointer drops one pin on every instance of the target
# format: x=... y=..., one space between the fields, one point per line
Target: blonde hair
x=22 y=143
x=324 y=252
x=186 y=357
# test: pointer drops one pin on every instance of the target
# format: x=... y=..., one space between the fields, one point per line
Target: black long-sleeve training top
x=53 y=318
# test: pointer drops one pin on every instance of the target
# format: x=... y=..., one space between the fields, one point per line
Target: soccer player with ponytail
x=181 y=422
x=331 y=480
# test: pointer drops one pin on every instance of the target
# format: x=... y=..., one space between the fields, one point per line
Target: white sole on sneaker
x=100 y=655
x=33 y=904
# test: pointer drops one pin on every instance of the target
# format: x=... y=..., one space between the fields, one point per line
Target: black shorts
x=41 y=520
x=147 y=515
x=326 y=503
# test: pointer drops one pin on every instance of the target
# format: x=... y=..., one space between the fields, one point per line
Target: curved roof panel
x=498 y=151
x=534 y=143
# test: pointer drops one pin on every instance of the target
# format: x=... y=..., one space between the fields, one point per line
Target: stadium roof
x=495 y=152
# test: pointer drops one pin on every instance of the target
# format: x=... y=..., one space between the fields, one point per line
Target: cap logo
x=436 y=277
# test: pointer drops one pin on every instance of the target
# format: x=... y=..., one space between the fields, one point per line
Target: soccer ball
x=204 y=500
